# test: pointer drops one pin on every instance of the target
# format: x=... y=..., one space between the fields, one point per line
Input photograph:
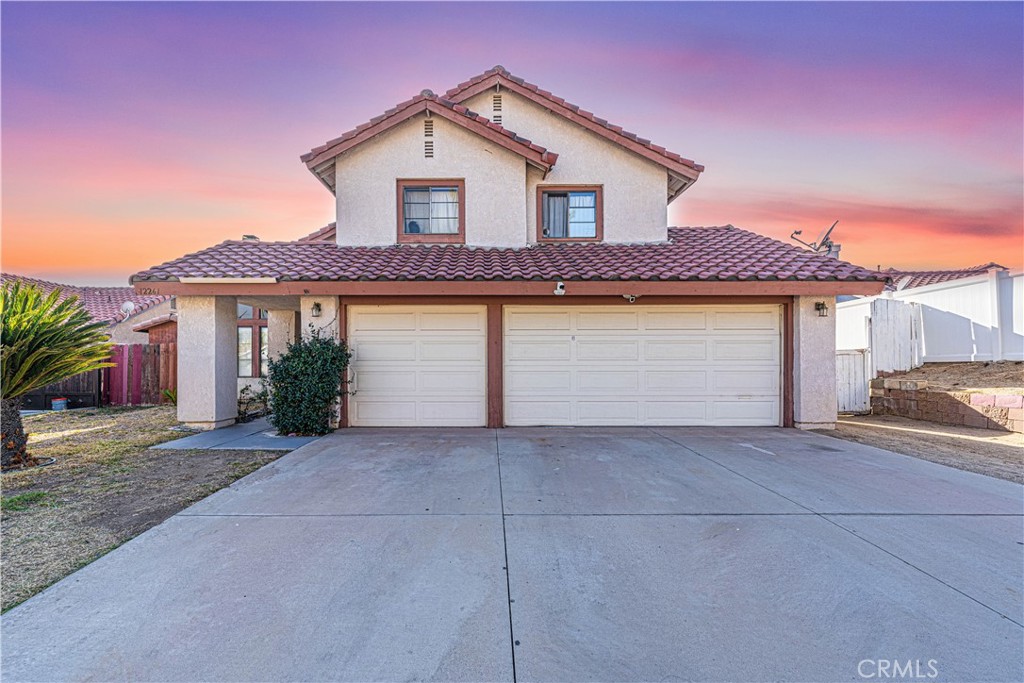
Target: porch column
x=814 y=364
x=326 y=314
x=282 y=330
x=207 y=361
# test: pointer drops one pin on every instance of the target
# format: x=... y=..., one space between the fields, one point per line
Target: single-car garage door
x=417 y=366
x=643 y=365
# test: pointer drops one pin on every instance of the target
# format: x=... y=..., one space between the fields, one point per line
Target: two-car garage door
x=636 y=365
x=586 y=365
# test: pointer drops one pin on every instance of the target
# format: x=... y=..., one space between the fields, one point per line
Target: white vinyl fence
x=974 y=319
x=852 y=381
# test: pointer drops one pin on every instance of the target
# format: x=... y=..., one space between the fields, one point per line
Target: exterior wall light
x=822 y=308
x=316 y=309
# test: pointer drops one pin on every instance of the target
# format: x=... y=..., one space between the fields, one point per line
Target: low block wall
x=914 y=400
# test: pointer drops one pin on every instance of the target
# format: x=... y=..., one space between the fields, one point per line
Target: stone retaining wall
x=915 y=400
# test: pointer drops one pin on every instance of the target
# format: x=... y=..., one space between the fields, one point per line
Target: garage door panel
x=607 y=412
x=376 y=321
x=745 y=412
x=541 y=351
x=675 y=349
x=603 y=379
x=450 y=381
x=745 y=320
x=418 y=365
x=676 y=320
x=386 y=350
x=538 y=412
x=607 y=321
x=551 y=381
x=657 y=365
x=745 y=349
x=684 y=381
x=747 y=381
x=457 y=350
x=675 y=412
x=447 y=321
x=370 y=381
x=608 y=350
x=538 y=320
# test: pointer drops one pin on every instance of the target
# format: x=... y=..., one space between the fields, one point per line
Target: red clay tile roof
x=429 y=102
x=102 y=303
x=909 y=279
x=328 y=233
x=500 y=75
x=716 y=253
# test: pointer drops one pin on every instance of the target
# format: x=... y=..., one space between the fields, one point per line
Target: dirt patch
x=982 y=451
x=106 y=487
x=1001 y=377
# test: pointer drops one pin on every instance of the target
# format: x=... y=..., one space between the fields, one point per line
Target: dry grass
x=984 y=451
x=106 y=487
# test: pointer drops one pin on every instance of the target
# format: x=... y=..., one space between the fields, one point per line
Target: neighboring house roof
x=328 y=233
x=319 y=158
x=102 y=303
x=909 y=279
x=708 y=254
x=153 y=322
x=499 y=76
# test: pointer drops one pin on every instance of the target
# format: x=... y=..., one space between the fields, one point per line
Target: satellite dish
x=822 y=244
x=127 y=308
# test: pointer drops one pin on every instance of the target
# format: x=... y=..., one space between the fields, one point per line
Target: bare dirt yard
x=1000 y=377
x=106 y=487
x=984 y=451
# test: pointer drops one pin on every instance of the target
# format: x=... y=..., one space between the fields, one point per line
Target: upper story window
x=571 y=213
x=432 y=211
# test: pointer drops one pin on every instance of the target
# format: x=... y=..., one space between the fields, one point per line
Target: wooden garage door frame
x=495 y=332
x=587 y=389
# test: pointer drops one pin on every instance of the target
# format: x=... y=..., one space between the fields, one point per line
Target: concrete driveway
x=631 y=555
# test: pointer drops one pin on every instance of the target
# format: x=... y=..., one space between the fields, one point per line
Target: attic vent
x=428 y=128
x=428 y=149
x=496 y=108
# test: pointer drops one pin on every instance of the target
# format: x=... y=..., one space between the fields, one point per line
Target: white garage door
x=417 y=366
x=653 y=365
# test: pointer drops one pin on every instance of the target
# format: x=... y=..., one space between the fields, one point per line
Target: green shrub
x=305 y=383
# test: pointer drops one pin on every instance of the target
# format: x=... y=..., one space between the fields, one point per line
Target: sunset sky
x=133 y=133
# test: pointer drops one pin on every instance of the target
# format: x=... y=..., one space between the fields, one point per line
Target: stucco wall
x=121 y=333
x=635 y=189
x=367 y=194
x=207 y=361
x=814 y=372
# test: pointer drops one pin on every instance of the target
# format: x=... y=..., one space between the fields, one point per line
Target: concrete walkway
x=554 y=555
x=257 y=435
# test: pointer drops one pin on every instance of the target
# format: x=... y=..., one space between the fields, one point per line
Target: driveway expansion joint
x=504 y=543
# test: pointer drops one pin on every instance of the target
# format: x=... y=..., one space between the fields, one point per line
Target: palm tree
x=42 y=340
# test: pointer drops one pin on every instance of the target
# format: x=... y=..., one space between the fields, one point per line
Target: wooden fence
x=141 y=373
x=81 y=391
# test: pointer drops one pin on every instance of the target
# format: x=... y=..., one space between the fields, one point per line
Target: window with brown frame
x=570 y=213
x=432 y=211
x=253 y=349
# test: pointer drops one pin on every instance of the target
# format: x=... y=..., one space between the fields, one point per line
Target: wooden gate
x=141 y=374
x=894 y=334
x=852 y=377
x=81 y=391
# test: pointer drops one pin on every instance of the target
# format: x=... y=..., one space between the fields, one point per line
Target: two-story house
x=485 y=277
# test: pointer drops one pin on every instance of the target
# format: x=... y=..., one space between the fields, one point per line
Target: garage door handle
x=352 y=385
